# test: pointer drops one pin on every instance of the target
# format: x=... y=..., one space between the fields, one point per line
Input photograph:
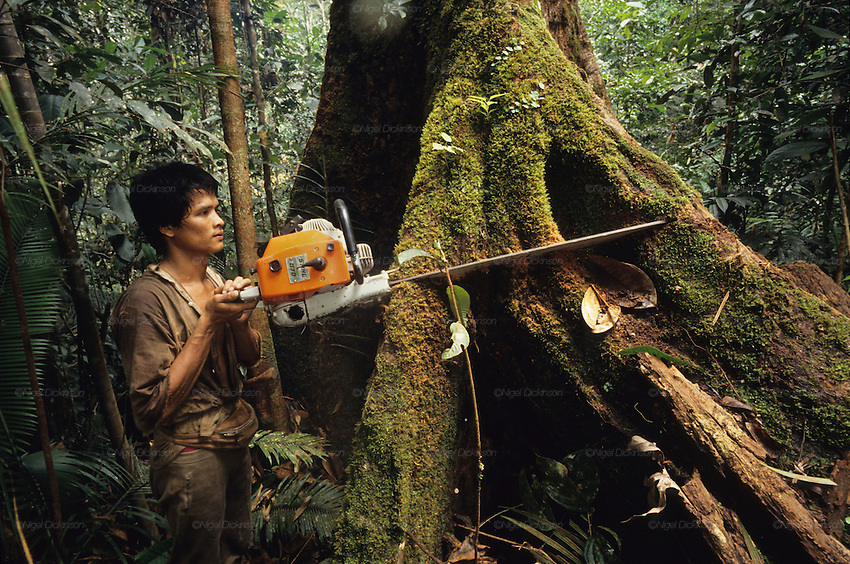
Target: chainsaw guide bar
x=315 y=269
x=518 y=256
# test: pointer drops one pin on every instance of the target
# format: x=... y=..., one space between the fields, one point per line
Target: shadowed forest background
x=488 y=127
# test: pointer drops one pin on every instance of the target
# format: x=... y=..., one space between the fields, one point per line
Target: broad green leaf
x=51 y=106
x=149 y=253
x=405 y=256
x=584 y=473
x=827 y=33
x=460 y=339
x=797 y=149
x=82 y=93
x=47 y=34
x=463 y=301
x=560 y=487
x=120 y=242
x=119 y=201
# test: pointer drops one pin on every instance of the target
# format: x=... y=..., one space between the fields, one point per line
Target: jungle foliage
x=742 y=99
x=122 y=85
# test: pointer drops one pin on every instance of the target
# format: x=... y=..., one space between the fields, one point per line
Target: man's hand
x=224 y=307
x=246 y=339
x=231 y=289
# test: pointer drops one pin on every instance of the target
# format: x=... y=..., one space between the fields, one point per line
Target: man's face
x=201 y=232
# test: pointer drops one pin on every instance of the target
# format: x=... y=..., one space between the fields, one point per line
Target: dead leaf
x=658 y=483
x=284 y=471
x=626 y=284
x=773 y=447
x=640 y=444
x=465 y=552
x=303 y=508
x=732 y=403
x=598 y=314
x=333 y=467
x=802 y=477
x=298 y=416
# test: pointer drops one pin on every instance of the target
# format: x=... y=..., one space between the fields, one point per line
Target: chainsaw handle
x=348 y=233
x=250 y=294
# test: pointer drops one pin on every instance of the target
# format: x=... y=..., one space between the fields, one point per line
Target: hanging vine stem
x=444 y=264
x=480 y=475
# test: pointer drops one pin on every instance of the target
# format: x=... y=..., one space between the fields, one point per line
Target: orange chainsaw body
x=282 y=276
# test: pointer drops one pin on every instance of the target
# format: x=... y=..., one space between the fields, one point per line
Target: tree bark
x=15 y=65
x=539 y=168
x=265 y=379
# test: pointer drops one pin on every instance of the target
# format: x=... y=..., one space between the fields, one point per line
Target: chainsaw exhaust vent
x=364 y=252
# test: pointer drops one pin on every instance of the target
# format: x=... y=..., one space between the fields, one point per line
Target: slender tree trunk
x=845 y=222
x=262 y=131
x=528 y=175
x=731 y=110
x=271 y=406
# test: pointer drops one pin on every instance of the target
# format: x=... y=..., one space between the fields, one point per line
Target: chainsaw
x=314 y=269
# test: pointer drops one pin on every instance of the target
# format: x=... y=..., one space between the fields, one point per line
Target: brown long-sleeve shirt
x=151 y=322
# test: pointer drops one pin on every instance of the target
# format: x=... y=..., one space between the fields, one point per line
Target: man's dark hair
x=162 y=196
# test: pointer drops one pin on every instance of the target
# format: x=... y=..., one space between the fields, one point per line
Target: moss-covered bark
x=546 y=161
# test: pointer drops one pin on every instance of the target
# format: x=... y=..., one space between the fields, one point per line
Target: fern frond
x=298 y=448
x=301 y=506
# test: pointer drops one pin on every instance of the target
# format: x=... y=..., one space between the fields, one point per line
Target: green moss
x=830 y=425
x=839 y=371
x=397 y=477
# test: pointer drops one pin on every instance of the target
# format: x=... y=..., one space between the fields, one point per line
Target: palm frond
x=39 y=270
x=301 y=505
x=82 y=476
x=298 y=448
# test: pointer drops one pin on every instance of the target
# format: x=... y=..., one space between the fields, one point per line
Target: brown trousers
x=206 y=497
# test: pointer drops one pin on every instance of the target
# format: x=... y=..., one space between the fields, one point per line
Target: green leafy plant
x=485 y=105
x=297 y=448
x=530 y=102
x=459 y=302
x=569 y=485
x=449 y=147
x=506 y=52
x=287 y=502
x=297 y=505
x=392 y=8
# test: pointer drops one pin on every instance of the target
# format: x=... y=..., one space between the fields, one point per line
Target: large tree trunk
x=539 y=168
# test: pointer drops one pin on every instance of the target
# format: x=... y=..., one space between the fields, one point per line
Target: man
x=181 y=331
